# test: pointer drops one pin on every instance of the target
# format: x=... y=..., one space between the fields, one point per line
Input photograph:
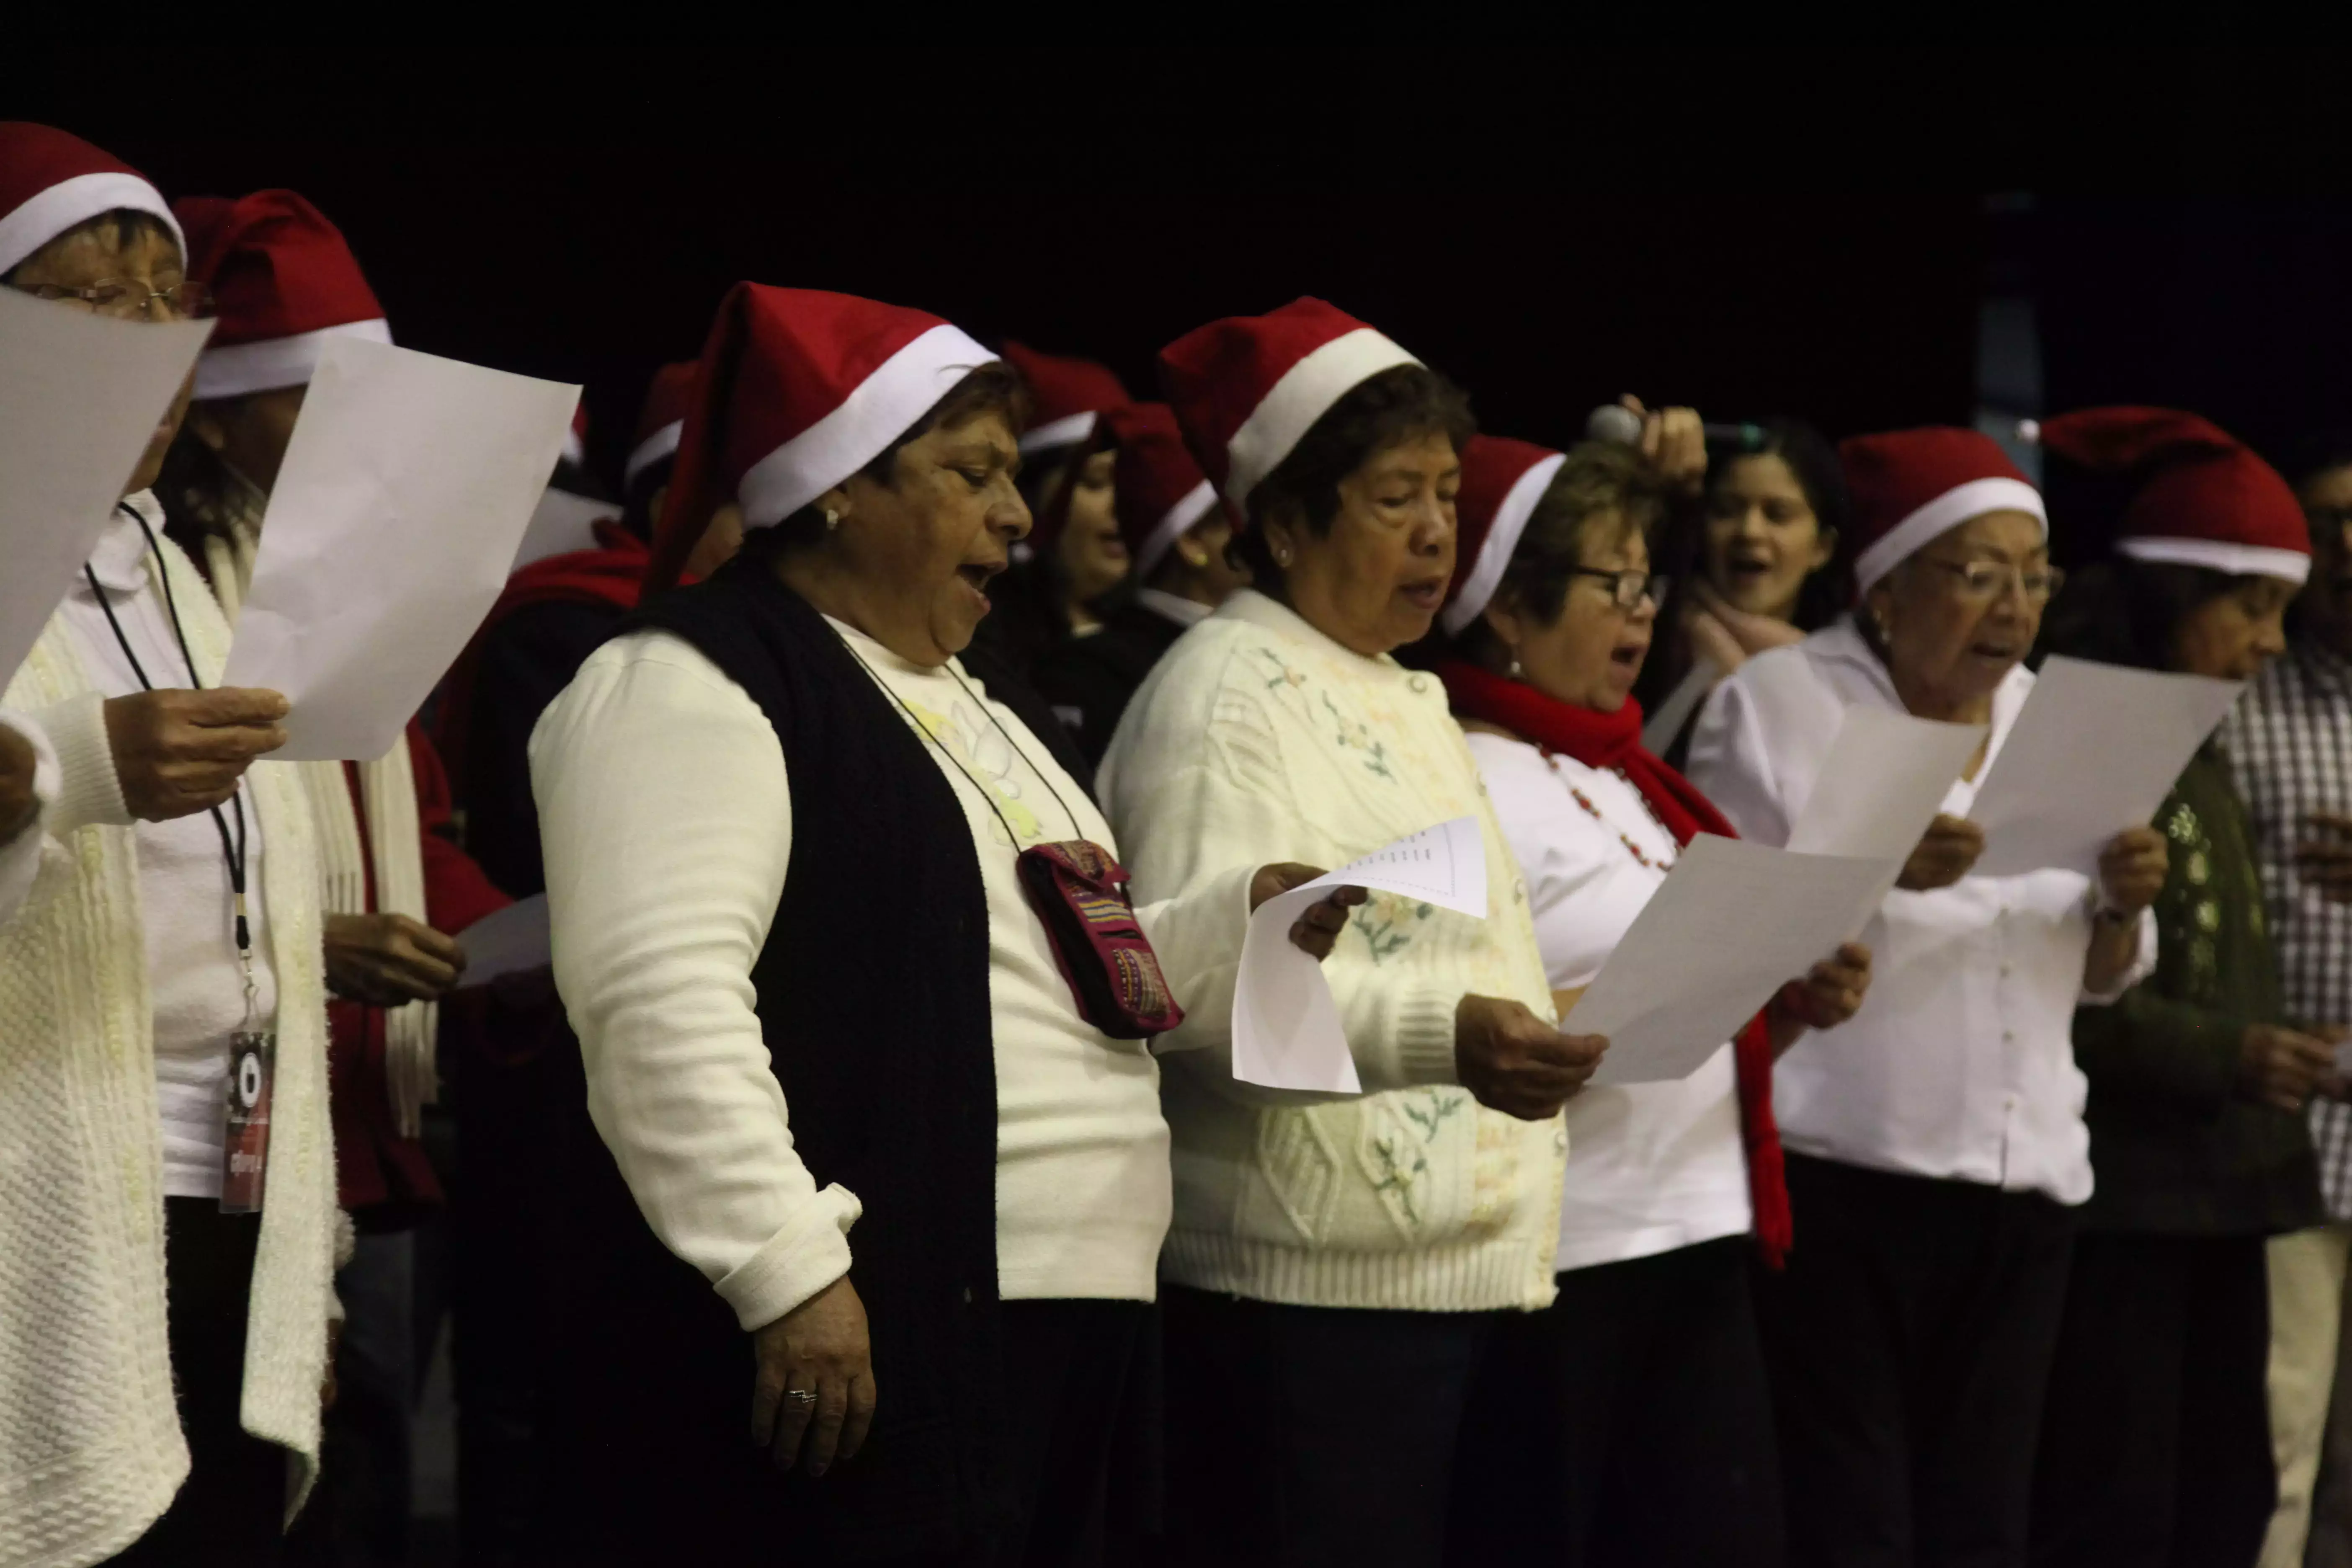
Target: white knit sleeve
x=20 y=858
x=667 y=825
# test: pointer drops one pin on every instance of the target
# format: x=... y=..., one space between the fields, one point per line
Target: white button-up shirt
x=1960 y=1063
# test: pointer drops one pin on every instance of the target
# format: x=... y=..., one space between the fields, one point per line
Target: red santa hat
x=2206 y=501
x=1161 y=490
x=1502 y=481
x=283 y=282
x=51 y=181
x=797 y=389
x=1910 y=487
x=1248 y=388
x=661 y=420
x=1069 y=394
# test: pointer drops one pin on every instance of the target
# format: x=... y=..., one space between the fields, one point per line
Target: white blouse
x=1960 y=1063
x=1651 y=1167
x=655 y=931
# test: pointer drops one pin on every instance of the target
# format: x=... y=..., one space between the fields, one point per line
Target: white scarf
x=387 y=793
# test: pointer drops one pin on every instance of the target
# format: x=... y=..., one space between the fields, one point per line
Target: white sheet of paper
x=2095 y=751
x=1287 y=1030
x=1731 y=924
x=388 y=535
x=1885 y=778
x=81 y=395
x=508 y=942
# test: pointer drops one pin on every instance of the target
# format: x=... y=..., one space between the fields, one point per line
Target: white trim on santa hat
x=1948 y=511
x=1067 y=431
x=273 y=363
x=662 y=443
x=1172 y=526
x=1304 y=394
x=575 y=450
x=1485 y=574
x=70 y=203
x=2219 y=556
x=877 y=412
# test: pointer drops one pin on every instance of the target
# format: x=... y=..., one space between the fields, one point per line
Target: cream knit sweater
x=1258 y=739
x=90 y=1449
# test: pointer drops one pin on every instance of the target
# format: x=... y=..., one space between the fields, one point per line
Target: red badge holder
x=245 y=1151
x=1079 y=894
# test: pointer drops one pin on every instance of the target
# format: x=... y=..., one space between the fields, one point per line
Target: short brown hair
x=120 y=225
x=1600 y=483
x=1404 y=403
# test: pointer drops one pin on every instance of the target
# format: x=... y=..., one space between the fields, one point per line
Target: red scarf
x=1614 y=740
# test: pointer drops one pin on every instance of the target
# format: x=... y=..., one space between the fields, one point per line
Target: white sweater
x=656 y=930
x=1258 y=739
x=90 y=1449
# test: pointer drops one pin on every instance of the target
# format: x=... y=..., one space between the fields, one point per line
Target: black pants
x=1629 y=1423
x=231 y=1511
x=1909 y=1341
x=1307 y=1435
x=2155 y=1440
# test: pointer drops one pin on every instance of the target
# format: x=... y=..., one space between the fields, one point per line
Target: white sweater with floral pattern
x=1259 y=738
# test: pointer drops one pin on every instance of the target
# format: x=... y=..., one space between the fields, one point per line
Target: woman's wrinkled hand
x=18 y=805
x=2325 y=862
x=1317 y=929
x=386 y=960
x=2283 y=1067
x=179 y=752
x=2132 y=869
x=1949 y=849
x=1512 y=1061
x=1829 y=993
x=818 y=1351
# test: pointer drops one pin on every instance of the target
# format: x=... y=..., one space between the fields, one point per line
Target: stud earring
x=831 y=520
x=1517 y=673
x=1282 y=559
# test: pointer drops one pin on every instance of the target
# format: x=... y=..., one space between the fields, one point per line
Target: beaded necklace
x=1641 y=857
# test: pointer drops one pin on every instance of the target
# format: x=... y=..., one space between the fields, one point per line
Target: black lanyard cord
x=232 y=850
x=986 y=794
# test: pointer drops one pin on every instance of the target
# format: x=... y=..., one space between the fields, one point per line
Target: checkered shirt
x=2289 y=741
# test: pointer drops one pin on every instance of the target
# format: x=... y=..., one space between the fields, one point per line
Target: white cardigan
x=91 y=1447
x=1258 y=739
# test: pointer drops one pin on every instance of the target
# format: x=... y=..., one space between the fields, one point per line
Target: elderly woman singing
x=1937 y=1147
x=1338 y=1269
x=1630 y=1422
x=800 y=855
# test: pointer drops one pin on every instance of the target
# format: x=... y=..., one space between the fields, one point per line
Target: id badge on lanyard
x=245 y=1151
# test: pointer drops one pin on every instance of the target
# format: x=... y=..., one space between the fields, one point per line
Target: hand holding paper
x=1287 y=1030
x=2095 y=751
x=389 y=534
x=511 y=941
x=81 y=395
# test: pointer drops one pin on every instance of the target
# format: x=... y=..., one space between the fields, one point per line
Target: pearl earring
x=831 y=520
x=1516 y=672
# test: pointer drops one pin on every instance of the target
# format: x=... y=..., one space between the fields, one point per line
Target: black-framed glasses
x=125 y=297
x=1982 y=581
x=1626 y=589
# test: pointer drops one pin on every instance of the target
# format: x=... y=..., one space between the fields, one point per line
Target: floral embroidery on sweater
x=1397 y=1132
x=1351 y=733
x=1385 y=921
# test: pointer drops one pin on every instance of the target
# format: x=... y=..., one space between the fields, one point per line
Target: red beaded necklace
x=1641 y=857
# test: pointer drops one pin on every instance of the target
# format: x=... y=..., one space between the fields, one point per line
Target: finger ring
x=800 y=1396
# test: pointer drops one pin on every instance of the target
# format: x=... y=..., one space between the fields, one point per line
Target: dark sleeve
x=525 y=663
x=1085 y=694
x=2149 y=1045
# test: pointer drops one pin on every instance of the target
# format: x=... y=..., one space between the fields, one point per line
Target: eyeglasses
x=1627 y=589
x=125 y=299
x=1983 y=581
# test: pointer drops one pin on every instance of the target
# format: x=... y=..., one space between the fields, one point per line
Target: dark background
x=1756 y=231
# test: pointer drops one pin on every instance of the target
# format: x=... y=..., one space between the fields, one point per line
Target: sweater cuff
x=803 y=1258
x=1423 y=1033
x=87 y=790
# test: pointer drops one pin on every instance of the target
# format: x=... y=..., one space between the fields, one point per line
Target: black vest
x=873 y=992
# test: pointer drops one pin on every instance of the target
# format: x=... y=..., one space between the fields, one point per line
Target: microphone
x=1620 y=426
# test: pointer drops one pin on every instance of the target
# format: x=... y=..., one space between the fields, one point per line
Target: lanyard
x=986 y=794
x=232 y=849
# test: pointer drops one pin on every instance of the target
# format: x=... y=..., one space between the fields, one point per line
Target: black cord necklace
x=232 y=849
